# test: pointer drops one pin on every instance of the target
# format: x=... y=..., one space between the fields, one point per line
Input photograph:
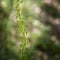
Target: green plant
x=21 y=28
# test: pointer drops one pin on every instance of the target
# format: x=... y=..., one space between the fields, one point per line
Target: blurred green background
x=42 y=18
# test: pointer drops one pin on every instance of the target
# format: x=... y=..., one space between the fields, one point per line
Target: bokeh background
x=42 y=18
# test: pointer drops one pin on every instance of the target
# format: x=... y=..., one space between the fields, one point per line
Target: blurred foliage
x=42 y=19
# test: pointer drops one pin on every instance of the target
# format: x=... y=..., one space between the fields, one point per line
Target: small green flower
x=21 y=28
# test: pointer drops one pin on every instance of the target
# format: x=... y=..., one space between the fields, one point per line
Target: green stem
x=21 y=27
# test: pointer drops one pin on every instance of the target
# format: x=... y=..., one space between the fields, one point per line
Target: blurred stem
x=21 y=27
